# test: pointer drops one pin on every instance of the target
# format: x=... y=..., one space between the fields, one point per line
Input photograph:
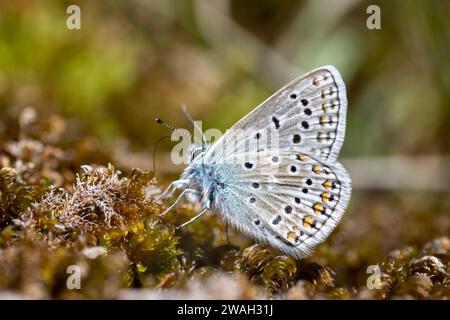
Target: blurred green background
x=135 y=60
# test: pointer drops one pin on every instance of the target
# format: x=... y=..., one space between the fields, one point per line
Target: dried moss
x=15 y=195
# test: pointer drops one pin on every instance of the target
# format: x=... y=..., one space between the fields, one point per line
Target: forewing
x=308 y=114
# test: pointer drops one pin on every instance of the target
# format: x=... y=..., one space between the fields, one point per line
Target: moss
x=56 y=211
x=279 y=273
x=15 y=195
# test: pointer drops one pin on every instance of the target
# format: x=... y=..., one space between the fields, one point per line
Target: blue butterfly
x=274 y=175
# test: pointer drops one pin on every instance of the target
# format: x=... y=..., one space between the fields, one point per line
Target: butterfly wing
x=291 y=201
x=289 y=192
x=308 y=113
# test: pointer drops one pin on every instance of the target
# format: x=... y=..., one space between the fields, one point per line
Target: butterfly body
x=274 y=175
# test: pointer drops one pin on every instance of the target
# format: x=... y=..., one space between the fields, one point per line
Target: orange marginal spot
x=325 y=196
x=308 y=221
x=316 y=169
x=328 y=184
x=318 y=207
x=292 y=235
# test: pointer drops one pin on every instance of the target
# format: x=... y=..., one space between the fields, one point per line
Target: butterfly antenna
x=188 y=115
x=154 y=152
x=170 y=127
x=165 y=124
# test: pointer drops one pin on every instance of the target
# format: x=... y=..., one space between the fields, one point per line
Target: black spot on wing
x=276 y=220
x=276 y=122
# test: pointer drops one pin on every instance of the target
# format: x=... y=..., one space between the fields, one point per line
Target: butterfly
x=274 y=175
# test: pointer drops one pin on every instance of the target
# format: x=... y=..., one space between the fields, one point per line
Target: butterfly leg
x=182 y=194
x=193 y=218
x=171 y=189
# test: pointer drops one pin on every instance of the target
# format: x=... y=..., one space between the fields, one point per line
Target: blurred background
x=134 y=60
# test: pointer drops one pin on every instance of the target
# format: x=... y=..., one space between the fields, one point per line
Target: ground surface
x=62 y=205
